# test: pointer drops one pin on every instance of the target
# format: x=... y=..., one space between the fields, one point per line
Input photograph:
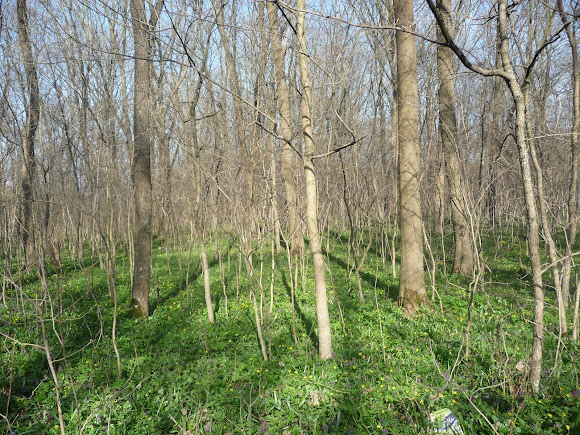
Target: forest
x=289 y=217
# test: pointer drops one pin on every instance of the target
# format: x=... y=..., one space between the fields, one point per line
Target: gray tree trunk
x=507 y=73
x=439 y=214
x=141 y=159
x=530 y=199
x=463 y=257
x=30 y=127
x=575 y=145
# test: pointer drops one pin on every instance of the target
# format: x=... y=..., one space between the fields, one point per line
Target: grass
x=183 y=375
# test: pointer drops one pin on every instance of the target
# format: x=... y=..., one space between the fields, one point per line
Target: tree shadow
x=374 y=249
x=390 y=290
x=183 y=281
x=301 y=316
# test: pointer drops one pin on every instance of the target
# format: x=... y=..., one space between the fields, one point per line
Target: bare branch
x=488 y=72
x=340 y=148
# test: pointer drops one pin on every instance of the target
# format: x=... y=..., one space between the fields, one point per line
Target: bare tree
x=241 y=134
x=575 y=147
x=324 y=336
x=197 y=208
x=507 y=73
x=463 y=258
x=28 y=137
x=412 y=293
x=141 y=160
x=287 y=155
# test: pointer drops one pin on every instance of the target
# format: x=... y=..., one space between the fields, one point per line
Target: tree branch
x=340 y=148
x=488 y=72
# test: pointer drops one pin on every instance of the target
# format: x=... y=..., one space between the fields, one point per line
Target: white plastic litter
x=444 y=421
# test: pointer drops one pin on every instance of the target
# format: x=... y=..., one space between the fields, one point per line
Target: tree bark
x=575 y=145
x=324 y=336
x=197 y=215
x=532 y=212
x=463 y=257
x=546 y=231
x=439 y=214
x=287 y=154
x=507 y=73
x=141 y=159
x=30 y=127
x=412 y=293
x=240 y=131
x=495 y=146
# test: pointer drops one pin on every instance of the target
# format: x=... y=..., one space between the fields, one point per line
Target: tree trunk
x=507 y=73
x=287 y=154
x=241 y=134
x=197 y=216
x=463 y=257
x=494 y=148
x=324 y=345
x=141 y=160
x=30 y=127
x=546 y=231
x=532 y=212
x=412 y=293
x=575 y=145
x=439 y=214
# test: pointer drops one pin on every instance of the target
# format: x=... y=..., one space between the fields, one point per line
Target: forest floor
x=182 y=375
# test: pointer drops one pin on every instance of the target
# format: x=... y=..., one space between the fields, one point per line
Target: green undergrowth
x=182 y=375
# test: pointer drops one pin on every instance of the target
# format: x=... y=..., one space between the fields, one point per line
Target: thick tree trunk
x=412 y=292
x=287 y=154
x=463 y=257
x=30 y=127
x=141 y=160
x=324 y=337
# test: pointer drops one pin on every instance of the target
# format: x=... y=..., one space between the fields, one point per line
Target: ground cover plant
x=179 y=374
x=289 y=216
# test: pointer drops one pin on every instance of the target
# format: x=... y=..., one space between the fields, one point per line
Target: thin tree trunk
x=532 y=213
x=41 y=311
x=440 y=190
x=509 y=76
x=412 y=293
x=240 y=132
x=30 y=127
x=493 y=172
x=576 y=316
x=324 y=336
x=197 y=225
x=547 y=233
x=387 y=17
x=274 y=194
x=575 y=145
